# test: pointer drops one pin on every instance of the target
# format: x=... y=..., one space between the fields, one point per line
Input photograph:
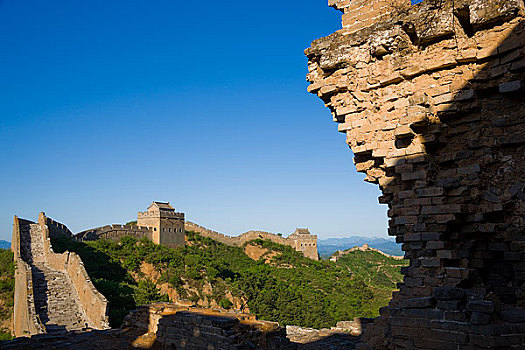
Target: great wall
x=365 y=248
x=53 y=291
x=301 y=240
x=168 y=227
x=431 y=98
x=56 y=304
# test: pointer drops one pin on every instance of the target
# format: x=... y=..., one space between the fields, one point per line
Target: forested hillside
x=282 y=285
x=379 y=272
x=7 y=288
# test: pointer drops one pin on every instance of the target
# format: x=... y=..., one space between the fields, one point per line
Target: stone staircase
x=54 y=296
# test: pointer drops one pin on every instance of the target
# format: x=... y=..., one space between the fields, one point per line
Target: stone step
x=54 y=295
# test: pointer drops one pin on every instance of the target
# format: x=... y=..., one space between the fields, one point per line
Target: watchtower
x=166 y=224
x=304 y=242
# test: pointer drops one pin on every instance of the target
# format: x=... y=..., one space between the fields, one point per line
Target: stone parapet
x=114 y=232
x=430 y=98
x=173 y=326
x=92 y=302
x=25 y=319
x=160 y=214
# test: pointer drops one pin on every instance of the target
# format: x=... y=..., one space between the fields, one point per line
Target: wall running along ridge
x=307 y=244
x=92 y=303
x=431 y=99
x=115 y=232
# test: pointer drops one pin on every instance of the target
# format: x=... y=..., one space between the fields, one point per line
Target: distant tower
x=166 y=224
x=305 y=242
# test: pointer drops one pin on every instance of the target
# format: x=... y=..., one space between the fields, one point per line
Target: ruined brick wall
x=431 y=99
x=306 y=245
x=25 y=320
x=169 y=325
x=93 y=303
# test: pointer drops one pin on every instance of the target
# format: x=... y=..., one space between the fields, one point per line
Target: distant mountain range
x=326 y=247
x=5 y=245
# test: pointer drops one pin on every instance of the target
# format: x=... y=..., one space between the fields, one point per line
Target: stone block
x=513 y=314
x=480 y=318
x=513 y=86
x=423 y=302
x=448 y=293
x=483 y=306
x=449 y=305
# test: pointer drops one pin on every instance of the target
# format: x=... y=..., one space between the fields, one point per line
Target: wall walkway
x=53 y=291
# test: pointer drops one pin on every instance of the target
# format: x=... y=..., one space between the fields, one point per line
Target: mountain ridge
x=326 y=247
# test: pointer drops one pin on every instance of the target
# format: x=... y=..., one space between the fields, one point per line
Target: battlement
x=160 y=214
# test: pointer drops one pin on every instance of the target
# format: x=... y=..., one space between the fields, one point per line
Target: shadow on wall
x=162 y=326
x=457 y=203
x=436 y=117
x=113 y=281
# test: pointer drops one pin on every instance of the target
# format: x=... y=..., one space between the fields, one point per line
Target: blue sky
x=108 y=105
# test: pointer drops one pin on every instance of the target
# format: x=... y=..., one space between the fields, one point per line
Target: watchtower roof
x=301 y=231
x=161 y=206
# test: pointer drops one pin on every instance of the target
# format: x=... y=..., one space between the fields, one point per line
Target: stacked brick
x=431 y=98
x=174 y=326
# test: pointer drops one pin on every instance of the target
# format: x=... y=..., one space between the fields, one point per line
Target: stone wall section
x=57 y=229
x=365 y=248
x=45 y=280
x=307 y=244
x=174 y=326
x=115 y=232
x=25 y=319
x=92 y=302
x=359 y=14
x=431 y=99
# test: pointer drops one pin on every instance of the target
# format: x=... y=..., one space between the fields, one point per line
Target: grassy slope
x=291 y=289
x=7 y=288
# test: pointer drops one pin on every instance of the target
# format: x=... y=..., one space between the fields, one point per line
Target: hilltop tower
x=167 y=225
x=304 y=242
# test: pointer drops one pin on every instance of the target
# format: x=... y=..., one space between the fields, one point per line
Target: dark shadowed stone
x=417 y=302
x=480 y=318
x=513 y=314
x=480 y=306
x=448 y=293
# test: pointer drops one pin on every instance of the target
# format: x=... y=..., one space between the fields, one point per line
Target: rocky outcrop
x=430 y=98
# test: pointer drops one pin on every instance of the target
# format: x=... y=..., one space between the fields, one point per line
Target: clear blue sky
x=108 y=105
